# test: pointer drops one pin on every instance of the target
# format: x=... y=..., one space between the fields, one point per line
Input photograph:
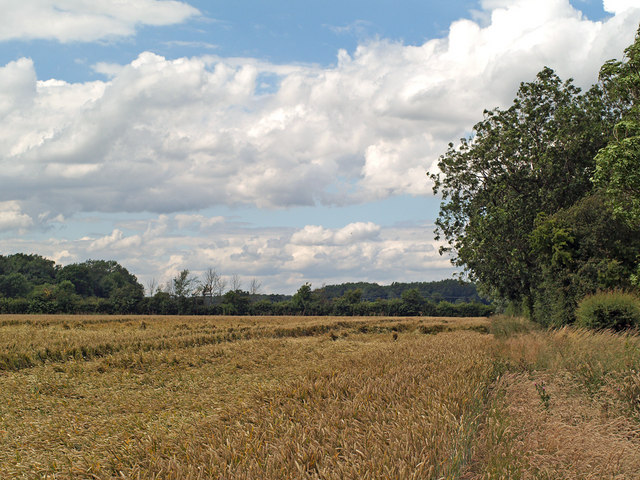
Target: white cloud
x=618 y=6
x=109 y=70
x=86 y=20
x=182 y=135
x=181 y=43
x=17 y=85
x=199 y=221
x=187 y=134
x=356 y=233
x=352 y=233
x=176 y=136
x=114 y=242
x=312 y=235
x=12 y=217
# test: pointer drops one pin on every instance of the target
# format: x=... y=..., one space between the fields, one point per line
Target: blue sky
x=280 y=31
x=286 y=141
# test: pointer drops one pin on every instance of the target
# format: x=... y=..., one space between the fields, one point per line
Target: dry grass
x=304 y=397
x=567 y=407
x=576 y=437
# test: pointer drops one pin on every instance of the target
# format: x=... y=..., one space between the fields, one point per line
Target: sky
x=286 y=141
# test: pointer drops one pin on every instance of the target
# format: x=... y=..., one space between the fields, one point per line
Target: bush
x=613 y=310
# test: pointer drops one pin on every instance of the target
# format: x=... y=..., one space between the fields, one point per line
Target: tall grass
x=566 y=405
x=27 y=341
x=503 y=326
x=397 y=410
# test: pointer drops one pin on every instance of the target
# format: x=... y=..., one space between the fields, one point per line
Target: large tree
x=535 y=157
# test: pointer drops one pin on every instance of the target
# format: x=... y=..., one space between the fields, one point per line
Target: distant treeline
x=453 y=291
x=30 y=283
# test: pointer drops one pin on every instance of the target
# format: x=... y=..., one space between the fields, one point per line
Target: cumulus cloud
x=185 y=134
x=17 y=85
x=86 y=20
x=617 y=6
x=115 y=241
x=352 y=233
x=12 y=217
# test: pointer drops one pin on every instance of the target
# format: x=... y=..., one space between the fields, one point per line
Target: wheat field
x=314 y=397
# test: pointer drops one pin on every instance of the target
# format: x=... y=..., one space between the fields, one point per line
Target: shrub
x=614 y=310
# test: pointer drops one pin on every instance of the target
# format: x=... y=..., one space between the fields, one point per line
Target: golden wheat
x=314 y=397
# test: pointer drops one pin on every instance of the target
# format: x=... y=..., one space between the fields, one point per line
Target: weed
x=545 y=398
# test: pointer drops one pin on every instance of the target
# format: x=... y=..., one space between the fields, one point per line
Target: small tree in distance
x=209 y=282
x=184 y=284
x=236 y=283
x=254 y=286
x=152 y=287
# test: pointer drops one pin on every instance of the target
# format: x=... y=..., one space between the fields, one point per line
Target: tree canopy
x=618 y=164
x=517 y=192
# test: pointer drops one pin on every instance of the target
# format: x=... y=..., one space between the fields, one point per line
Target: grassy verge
x=566 y=405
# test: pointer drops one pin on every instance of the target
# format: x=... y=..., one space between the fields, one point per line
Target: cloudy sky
x=282 y=140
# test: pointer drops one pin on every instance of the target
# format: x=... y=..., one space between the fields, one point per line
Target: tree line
x=454 y=291
x=541 y=204
x=30 y=283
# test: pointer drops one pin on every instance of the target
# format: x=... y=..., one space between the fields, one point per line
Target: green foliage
x=618 y=164
x=235 y=302
x=126 y=298
x=105 y=287
x=302 y=298
x=353 y=296
x=35 y=269
x=34 y=284
x=541 y=205
x=450 y=290
x=581 y=249
x=543 y=394
x=413 y=301
x=162 y=303
x=98 y=278
x=14 y=285
x=535 y=157
x=614 y=310
x=184 y=284
x=65 y=297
